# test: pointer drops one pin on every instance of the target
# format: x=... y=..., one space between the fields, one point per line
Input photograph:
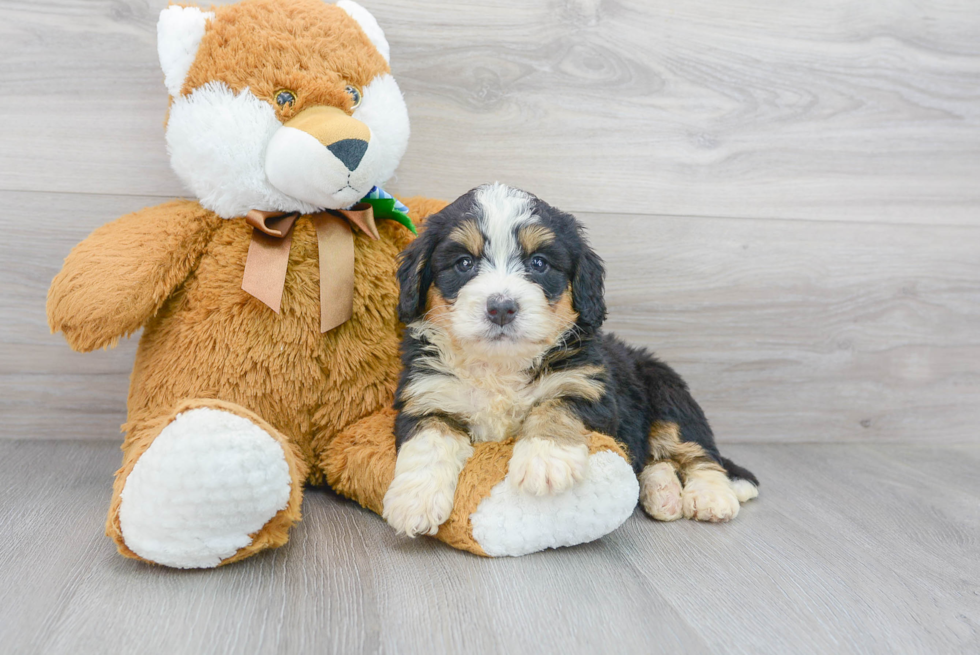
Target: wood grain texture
x=849 y=549
x=786 y=330
x=832 y=110
x=46 y=389
x=805 y=331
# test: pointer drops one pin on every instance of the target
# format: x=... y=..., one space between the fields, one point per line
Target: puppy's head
x=503 y=273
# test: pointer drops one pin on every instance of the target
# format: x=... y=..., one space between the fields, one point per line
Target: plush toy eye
x=285 y=97
x=464 y=264
x=355 y=95
x=539 y=264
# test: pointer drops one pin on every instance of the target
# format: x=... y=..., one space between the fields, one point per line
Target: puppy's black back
x=641 y=391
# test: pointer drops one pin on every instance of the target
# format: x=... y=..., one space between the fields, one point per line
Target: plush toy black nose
x=349 y=151
x=501 y=310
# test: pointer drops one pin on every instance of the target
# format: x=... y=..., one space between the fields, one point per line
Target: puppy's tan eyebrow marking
x=468 y=233
x=533 y=236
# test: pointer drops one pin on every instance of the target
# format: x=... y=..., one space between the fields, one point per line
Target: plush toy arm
x=490 y=516
x=117 y=278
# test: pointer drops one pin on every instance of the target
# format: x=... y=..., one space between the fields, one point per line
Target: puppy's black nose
x=501 y=309
x=349 y=151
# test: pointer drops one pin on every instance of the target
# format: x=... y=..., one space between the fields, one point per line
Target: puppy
x=503 y=302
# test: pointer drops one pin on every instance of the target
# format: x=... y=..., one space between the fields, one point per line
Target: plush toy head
x=280 y=107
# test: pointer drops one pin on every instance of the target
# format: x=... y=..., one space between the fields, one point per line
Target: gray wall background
x=788 y=198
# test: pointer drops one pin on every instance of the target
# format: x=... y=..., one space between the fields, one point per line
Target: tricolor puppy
x=503 y=299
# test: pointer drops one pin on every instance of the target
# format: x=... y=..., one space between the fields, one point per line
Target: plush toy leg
x=491 y=517
x=208 y=484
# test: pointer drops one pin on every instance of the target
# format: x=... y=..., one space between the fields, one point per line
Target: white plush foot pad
x=209 y=480
x=510 y=522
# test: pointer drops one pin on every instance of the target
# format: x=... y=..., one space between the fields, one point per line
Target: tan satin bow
x=268 y=258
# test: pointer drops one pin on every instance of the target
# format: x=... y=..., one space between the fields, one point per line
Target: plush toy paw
x=540 y=466
x=660 y=492
x=510 y=522
x=709 y=496
x=207 y=483
x=417 y=503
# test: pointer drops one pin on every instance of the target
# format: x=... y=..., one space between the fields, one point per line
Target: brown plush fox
x=269 y=353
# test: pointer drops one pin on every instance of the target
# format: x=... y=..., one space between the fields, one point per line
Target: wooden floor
x=850 y=548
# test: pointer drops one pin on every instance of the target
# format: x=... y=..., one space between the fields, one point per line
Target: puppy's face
x=503 y=273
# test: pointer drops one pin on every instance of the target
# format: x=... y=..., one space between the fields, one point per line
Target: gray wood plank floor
x=850 y=549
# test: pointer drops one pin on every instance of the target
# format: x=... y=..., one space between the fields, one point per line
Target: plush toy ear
x=368 y=24
x=179 y=33
x=415 y=276
x=588 y=292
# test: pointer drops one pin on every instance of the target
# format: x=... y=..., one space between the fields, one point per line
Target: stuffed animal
x=269 y=352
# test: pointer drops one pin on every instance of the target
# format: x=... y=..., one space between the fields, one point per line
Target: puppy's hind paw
x=540 y=466
x=660 y=492
x=710 y=499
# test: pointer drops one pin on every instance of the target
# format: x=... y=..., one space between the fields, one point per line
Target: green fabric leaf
x=385 y=208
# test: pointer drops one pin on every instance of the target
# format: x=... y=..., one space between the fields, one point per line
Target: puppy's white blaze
x=541 y=466
x=503 y=209
x=420 y=497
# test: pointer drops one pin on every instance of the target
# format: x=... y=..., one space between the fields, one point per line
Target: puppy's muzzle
x=501 y=310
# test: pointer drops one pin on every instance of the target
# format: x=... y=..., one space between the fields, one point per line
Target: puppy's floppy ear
x=588 y=289
x=415 y=275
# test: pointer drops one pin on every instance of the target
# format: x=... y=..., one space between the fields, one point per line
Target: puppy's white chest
x=493 y=404
x=499 y=407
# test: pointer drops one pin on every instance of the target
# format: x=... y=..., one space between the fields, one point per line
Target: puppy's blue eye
x=464 y=264
x=539 y=264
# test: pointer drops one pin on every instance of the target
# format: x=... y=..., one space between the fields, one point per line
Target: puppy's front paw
x=418 y=503
x=540 y=466
x=710 y=499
